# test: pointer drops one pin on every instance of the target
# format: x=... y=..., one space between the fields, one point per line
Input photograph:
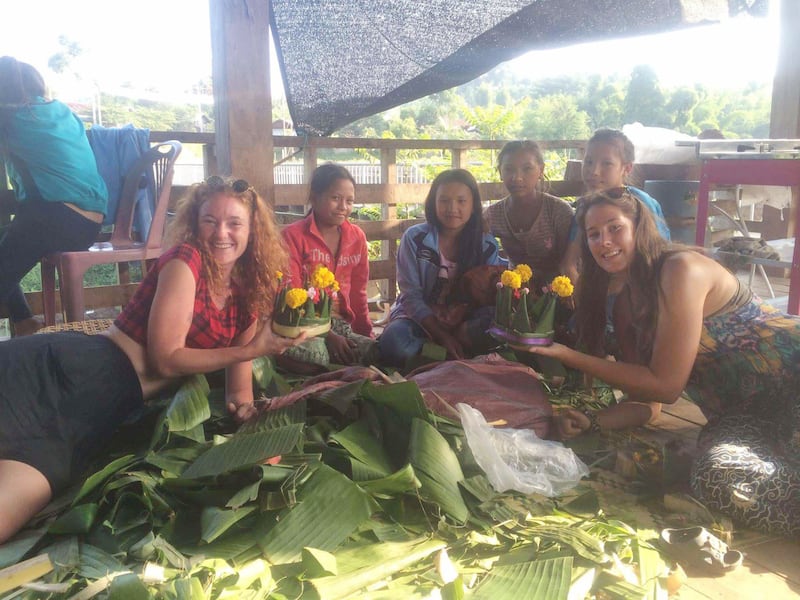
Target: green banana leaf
x=329 y=508
x=546 y=321
x=437 y=468
x=263 y=371
x=651 y=569
x=77 y=519
x=189 y=408
x=216 y=521
x=537 y=580
x=364 y=566
x=520 y=320
x=403 y=398
x=272 y=419
x=318 y=563
x=584 y=544
x=127 y=587
x=244 y=449
x=365 y=448
x=244 y=495
x=173 y=461
x=13 y=552
x=342 y=398
x=97 y=478
x=95 y=563
x=403 y=480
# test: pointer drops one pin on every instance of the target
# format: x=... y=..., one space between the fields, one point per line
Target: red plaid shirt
x=210 y=328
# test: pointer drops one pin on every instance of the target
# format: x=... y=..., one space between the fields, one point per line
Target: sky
x=164 y=45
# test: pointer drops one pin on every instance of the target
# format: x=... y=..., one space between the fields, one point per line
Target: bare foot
x=27 y=326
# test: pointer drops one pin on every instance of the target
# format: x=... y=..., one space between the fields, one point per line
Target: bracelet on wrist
x=594 y=425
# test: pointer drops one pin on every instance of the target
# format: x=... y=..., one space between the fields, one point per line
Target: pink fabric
x=501 y=390
x=307 y=249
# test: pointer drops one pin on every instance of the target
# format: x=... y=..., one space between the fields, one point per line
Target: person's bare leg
x=24 y=491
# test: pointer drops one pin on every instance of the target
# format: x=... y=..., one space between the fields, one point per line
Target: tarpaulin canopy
x=342 y=60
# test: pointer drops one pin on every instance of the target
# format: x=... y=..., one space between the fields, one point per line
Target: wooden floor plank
x=779 y=556
x=749 y=582
x=771 y=566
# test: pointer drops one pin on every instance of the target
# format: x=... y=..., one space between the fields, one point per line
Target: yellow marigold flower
x=322 y=277
x=562 y=286
x=335 y=286
x=296 y=297
x=511 y=279
x=278 y=275
x=525 y=272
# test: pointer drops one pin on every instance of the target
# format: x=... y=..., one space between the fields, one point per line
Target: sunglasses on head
x=239 y=186
x=616 y=193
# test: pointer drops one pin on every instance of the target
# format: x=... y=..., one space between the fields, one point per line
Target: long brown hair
x=643 y=275
x=255 y=271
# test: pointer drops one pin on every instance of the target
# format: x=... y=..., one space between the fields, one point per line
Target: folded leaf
x=329 y=508
x=362 y=445
x=437 y=468
x=216 y=521
x=189 y=408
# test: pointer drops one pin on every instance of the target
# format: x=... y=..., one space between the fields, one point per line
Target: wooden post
x=785 y=115
x=459 y=158
x=242 y=97
x=389 y=212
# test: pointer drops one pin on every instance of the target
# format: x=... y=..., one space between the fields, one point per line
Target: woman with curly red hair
x=204 y=306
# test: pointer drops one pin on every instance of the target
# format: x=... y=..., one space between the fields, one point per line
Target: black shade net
x=342 y=60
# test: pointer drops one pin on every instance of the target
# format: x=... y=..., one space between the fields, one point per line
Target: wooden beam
x=242 y=98
x=785 y=114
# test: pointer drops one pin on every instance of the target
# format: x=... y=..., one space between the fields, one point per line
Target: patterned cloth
x=315 y=351
x=746 y=380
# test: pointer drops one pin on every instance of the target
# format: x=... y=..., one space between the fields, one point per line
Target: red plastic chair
x=155 y=169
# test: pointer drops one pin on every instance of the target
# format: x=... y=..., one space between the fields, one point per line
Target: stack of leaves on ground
x=359 y=493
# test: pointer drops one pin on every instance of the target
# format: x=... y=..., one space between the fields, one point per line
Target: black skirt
x=62 y=396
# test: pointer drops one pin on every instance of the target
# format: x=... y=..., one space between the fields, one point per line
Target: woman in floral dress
x=684 y=323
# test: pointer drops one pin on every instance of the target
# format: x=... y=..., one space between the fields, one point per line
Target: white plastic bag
x=517 y=459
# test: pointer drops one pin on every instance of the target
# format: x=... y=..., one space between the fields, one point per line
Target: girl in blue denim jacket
x=432 y=258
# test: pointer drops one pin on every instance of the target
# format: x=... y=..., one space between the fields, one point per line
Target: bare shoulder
x=683 y=264
x=692 y=273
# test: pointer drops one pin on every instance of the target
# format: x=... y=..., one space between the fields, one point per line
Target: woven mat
x=90 y=327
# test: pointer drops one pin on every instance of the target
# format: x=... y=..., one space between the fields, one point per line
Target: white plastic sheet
x=517 y=459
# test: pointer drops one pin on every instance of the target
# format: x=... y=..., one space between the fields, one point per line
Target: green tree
x=680 y=106
x=644 y=100
x=603 y=100
x=555 y=117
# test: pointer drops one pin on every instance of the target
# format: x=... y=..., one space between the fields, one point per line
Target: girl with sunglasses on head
x=684 y=323
x=201 y=308
x=432 y=258
x=326 y=237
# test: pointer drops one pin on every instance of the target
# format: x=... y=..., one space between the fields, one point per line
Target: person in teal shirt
x=49 y=162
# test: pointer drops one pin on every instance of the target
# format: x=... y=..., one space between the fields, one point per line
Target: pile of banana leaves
x=359 y=493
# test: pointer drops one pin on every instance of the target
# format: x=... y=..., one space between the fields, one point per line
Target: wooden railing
x=388 y=195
